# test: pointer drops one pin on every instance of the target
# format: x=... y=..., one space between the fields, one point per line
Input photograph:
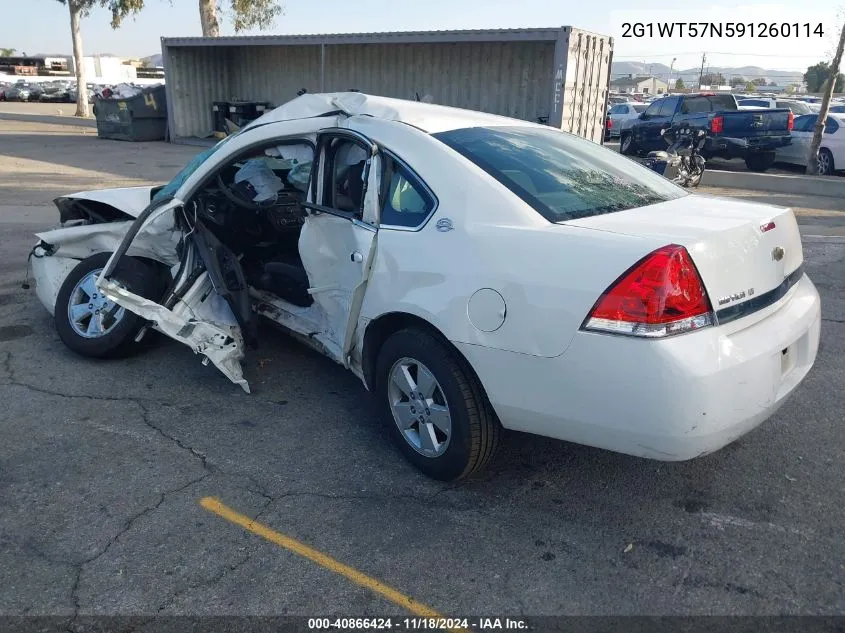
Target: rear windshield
x=562 y=176
x=722 y=102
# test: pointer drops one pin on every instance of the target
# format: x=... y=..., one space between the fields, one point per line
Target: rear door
x=339 y=237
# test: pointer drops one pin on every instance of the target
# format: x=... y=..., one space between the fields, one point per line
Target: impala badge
x=777 y=253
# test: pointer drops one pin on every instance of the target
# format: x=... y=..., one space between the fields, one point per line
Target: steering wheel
x=236 y=199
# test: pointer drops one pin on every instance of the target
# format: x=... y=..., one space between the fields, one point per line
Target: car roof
x=428 y=117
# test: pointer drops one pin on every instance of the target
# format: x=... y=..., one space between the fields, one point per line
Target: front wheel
x=92 y=325
x=434 y=406
x=696 y=172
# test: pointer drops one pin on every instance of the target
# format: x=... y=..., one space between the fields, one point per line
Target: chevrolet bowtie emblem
x=777 y=253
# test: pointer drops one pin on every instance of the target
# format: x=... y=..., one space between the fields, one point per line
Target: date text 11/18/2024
x=417 y=624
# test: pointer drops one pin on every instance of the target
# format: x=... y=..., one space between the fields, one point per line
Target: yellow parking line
x=396 y=597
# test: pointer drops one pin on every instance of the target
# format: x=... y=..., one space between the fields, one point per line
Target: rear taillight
x=609 y=123
x=790 y=121
x=659 y=296
x=717 y=124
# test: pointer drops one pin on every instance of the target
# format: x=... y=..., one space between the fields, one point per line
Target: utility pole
x=669 y=81
x=701 y=73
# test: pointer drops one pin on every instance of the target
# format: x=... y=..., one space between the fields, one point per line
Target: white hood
x=130 y=200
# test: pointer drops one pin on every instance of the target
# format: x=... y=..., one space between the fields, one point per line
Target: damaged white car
x=476 y=272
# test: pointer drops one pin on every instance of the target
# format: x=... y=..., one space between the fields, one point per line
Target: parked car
x=56 y=92
x=22 y=91
x=731 y=133
x=622 y=112
x=831 y=151
x=837 y=109
x=601 y=303
x=797 y=107
x=73 y=92
x=4 y=86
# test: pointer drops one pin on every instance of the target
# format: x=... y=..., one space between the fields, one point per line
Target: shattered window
x=562 y=176
x=196 y=162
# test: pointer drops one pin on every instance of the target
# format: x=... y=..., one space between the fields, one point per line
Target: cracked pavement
x=103 y=463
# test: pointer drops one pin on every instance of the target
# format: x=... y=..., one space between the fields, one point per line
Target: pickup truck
x=752 y=135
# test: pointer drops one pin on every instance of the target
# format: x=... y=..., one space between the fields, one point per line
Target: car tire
x=826 y=165
x=760 y=161
x=474 y=430
x=627 y=145
x=107 y=338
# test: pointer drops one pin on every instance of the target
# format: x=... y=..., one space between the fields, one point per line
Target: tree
x=750 y=87
x=679 y=84
x=759 y=81
x=737 y=81
x=8 y=52
x=713 y=79
x=817 y=77
x=79 y=9
x=830 y=86
x=246 y=14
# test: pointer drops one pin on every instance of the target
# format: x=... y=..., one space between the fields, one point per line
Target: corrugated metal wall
x=196 y=77
x=509 y=78
x=274 y=73
x=584 y=84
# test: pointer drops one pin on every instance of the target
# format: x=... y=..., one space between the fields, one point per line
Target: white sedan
x=477 y=273
x=831 y=150
x=621 y=113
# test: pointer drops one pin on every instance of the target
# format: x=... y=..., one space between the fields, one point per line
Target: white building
x=107 y=69
x=639 y=85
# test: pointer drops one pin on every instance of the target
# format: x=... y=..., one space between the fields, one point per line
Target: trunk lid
x=755 y=123
x=739 y=254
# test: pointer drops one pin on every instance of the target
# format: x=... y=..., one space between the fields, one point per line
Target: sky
x=42 y=26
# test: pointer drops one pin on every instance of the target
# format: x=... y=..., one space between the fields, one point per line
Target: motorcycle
x=682 y=162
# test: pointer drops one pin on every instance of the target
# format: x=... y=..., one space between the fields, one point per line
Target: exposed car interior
x=254 y=207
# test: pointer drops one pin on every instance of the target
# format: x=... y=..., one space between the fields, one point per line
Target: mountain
x=690 y=75
x=153 y=60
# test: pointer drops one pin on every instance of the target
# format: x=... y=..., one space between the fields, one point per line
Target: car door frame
x=365 y=232
x=223 y=346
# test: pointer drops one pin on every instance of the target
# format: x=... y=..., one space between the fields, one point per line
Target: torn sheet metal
x=357 y=104
x=221 y=343
x=78 y=242
x=130 y=200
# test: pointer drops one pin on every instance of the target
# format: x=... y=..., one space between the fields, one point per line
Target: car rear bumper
x=740 y=147
x=671 y=400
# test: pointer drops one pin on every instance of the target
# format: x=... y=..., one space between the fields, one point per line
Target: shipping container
x=557 y=76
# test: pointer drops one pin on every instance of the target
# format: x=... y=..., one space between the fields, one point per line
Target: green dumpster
x=139 y=118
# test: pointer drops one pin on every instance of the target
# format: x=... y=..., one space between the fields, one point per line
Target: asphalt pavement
x=108 y=468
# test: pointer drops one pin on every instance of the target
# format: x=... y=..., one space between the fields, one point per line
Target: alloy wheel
x=90 y=314
x=419 y=407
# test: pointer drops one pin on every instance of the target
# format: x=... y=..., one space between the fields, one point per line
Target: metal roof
x=391 y=37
